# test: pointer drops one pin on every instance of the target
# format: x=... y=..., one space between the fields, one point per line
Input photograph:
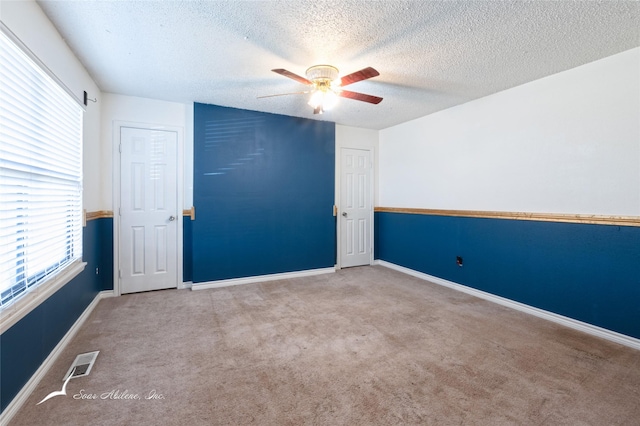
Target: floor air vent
x=82 y=365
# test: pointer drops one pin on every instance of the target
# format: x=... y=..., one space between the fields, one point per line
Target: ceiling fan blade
x=363 y=74
x=283 y=94
x=360 y=97
x=293 y=76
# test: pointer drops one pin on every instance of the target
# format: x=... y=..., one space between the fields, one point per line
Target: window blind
x=40 y=175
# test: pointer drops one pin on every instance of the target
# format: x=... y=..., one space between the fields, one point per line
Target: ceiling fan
x=326 y=86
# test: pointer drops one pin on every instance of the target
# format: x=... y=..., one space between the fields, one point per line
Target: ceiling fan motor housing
x=322 y=75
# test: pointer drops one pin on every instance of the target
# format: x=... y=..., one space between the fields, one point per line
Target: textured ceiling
x=430 y=55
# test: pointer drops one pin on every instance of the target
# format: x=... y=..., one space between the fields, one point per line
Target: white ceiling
x=431 y=55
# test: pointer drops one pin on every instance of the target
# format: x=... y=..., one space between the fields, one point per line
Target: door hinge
x=120 y=273
x=120 y=148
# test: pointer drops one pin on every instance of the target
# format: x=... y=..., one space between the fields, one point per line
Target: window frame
x=37 y=288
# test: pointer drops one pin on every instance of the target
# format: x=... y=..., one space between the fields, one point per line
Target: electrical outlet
x=97 y=271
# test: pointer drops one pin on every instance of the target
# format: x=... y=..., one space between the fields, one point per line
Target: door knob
x=344 y=214
x=172 y=218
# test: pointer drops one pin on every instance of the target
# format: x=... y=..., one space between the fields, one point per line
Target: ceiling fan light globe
x=316 y=99
x=324 y=98
x=329 y=100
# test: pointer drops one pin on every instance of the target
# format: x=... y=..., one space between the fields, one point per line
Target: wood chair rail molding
x=543 y=217
x=191 y=213
x=100 y=214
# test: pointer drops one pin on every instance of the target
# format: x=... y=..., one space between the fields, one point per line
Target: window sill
x=27 y=303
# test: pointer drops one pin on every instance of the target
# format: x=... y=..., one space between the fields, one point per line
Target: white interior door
x=148 y=210
x=356 y=209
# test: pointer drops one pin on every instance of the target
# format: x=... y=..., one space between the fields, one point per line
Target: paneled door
x=148 y=210
x=356 y=209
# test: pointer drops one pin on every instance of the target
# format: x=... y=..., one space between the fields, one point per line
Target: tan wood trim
x=544 y=217
x=191 y=213
x=100 y=214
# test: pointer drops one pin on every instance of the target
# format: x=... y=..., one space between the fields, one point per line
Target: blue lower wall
x=25 y=346
x=263 y=192
x=586 y=272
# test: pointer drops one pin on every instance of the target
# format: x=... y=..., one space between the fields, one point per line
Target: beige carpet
x=362 y=346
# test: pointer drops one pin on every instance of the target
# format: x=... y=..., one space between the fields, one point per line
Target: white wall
x=568 y=143
x=355 y=137
x=27 y=21
x=150 y=112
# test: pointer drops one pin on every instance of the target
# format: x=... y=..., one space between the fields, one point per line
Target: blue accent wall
x=586 y=272
x=263 y=192
x=25 y=346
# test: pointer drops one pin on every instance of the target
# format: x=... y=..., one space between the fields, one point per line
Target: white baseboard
x=261 y=278
x=185 y=285
x=28 y=388
x=550 y=316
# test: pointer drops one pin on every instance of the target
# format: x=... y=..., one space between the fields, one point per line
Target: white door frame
x=117 y=125
x=338 y=198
